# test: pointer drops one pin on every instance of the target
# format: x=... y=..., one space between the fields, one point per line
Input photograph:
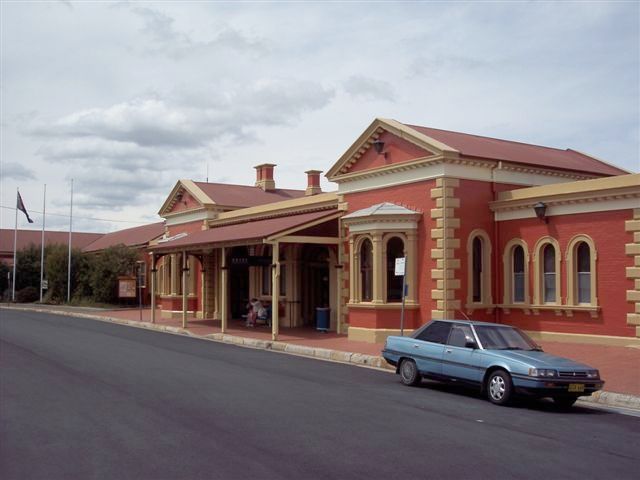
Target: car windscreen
x=504 y=338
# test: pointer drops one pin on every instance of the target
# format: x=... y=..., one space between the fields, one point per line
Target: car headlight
x=542 y=372
x=593 y=374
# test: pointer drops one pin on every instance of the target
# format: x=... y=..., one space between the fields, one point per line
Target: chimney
x=264 y=177
x=313 y=182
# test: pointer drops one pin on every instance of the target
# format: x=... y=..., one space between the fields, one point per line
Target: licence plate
x=576 y=387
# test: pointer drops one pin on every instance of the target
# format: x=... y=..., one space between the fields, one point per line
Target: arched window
x=366 y=270
x=549 y=271
x=476 y=267
x=395 y=249
x=584 y=273
x=479 y=269
x=518 y=274
x=581 y=271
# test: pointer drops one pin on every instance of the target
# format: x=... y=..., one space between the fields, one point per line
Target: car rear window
x=436 y=332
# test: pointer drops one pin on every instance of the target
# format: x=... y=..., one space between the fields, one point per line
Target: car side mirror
x=470 y=344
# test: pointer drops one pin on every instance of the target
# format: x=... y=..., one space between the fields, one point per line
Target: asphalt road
x=87 y=399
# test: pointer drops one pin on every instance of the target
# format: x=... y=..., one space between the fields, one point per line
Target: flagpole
x=44 y=206
x=70 y=228
x=15 y=249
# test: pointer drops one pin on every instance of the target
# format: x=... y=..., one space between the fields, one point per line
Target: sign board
x=126 y=287
x=45 y=284
x=400 y=263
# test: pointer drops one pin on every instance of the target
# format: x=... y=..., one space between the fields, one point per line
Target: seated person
x=256 y=309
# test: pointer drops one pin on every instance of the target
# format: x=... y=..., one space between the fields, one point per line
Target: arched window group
x=374 y=258
x=580 y=272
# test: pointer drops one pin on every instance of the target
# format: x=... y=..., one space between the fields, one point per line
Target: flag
x=20 y=206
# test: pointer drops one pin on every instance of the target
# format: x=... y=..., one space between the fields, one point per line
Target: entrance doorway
x=238 y=262
x=315 y=291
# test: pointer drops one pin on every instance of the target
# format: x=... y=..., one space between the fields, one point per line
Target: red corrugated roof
x=246 y=231
x=131 y=237
x=496 y=149
x=28 y=237
x=245 y=195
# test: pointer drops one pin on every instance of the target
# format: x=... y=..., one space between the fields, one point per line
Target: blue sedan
x=499 y=359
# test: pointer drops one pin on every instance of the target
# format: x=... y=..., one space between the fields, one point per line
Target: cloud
x=114 y=151
x=359 y=86
x=17 y=171
x=167 y=40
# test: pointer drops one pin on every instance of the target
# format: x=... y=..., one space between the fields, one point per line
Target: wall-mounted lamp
x=378 y=145
x=541 y=211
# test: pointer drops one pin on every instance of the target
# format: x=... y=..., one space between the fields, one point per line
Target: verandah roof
x=247 y=231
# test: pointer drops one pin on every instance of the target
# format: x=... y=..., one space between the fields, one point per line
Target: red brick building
x=538 y=237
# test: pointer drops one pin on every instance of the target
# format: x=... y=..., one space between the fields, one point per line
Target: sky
x=125 y=98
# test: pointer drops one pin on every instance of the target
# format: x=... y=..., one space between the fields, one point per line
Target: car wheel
x=564 y=402
x=499 y=387
x=409 y=373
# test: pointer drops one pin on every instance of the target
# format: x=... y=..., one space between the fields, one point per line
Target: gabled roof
x=507 y=150
x=227 y=195
x=448 y=144
x=28 y=237
x=230 y=195
x=130 y=237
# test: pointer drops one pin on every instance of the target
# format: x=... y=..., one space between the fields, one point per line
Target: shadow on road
x=536 y=404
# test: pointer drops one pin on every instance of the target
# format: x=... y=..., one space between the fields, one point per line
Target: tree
x=28 y=267
x=4 y=279
x=104 y=269
x=56 y=262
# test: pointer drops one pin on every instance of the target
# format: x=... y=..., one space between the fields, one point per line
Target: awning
x=248 y=231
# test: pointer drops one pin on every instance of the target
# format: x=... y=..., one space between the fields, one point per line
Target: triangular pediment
x=402 y=144
x=185 y=196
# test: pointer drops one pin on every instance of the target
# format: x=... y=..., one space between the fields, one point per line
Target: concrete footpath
x=619 y=365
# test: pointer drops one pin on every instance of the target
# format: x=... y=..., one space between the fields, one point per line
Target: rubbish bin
x=322 y=318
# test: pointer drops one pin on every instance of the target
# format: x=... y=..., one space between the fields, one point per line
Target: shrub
x=27 y=295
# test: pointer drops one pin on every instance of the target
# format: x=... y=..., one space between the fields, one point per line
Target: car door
x=458 y=361
x=428 y=347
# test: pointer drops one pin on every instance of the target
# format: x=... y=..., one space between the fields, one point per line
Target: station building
x=493 y=230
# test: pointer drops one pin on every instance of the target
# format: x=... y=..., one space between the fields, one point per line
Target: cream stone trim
x=572 y=273
x=322 y=201
x=594 y=189
x=633 y=250
x=374 y=335
x=584 y=339
x=446 y=242
x=538 y=272
x=486 y=290
x=188 y=216
x=570 y=208
x=373 y=132
x=507 y=272
x=190 y=187
x=384 y=306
